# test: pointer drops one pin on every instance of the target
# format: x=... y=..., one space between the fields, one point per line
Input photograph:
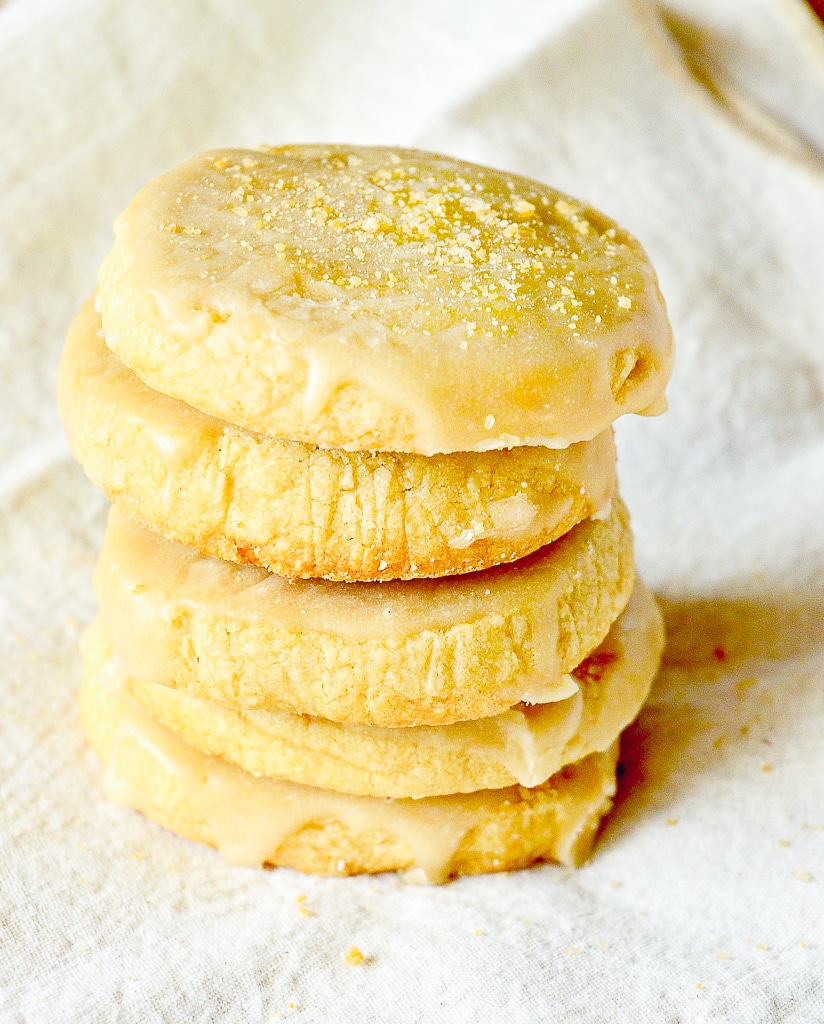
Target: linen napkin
x=699 y=127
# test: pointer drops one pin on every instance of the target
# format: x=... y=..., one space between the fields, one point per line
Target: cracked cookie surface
x=524 y=745
x=304 y=511
x=256 y=821
x=405 y=652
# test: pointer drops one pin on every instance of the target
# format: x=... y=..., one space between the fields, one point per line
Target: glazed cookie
x=382 y=299
x=304 y=511
x=525 y=744
x=256 y=821
x=410 y=652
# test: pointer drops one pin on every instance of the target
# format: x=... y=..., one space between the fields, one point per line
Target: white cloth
x=703 y=133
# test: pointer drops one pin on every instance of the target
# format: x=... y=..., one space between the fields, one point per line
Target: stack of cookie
x=367 y=594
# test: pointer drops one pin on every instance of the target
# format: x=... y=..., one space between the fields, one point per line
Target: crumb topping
x=453 y=245
x=383 y=299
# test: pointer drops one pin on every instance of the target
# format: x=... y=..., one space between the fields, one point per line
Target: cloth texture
x=699 y=127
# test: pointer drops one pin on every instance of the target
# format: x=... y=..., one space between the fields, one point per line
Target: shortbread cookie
x=306 y=511
x=256 y=821
x=526 y=744
x=382 y=299
x=413 y=652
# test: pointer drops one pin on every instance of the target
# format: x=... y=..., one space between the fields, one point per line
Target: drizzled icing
x=524 y=744
x=173 y=446
x=290 y=290
x=156 y=595
x=249 y=819
x=176 y=434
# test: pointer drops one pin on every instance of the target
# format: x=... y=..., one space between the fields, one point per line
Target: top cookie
x=384 y=299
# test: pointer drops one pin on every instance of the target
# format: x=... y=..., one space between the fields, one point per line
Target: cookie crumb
x=301 y=902
x=743 y=685
x=355 y=957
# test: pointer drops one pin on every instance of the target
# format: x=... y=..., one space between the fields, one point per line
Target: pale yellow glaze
x=397 y=653
x=256 y=821
x=311 y=512
x=384 y=299
x=525 y=744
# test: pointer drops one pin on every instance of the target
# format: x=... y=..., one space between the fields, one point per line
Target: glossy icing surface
x=475 y=309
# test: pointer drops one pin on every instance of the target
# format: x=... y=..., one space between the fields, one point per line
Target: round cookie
x=413 y=652
x=256 y=821
x=304 y=511
x=384 y=299
x=524 y=745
